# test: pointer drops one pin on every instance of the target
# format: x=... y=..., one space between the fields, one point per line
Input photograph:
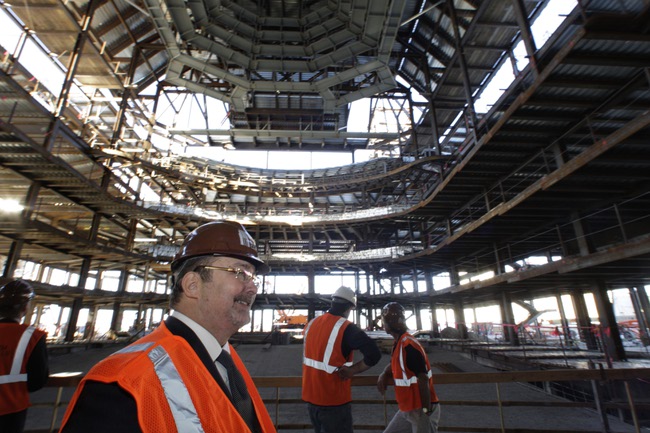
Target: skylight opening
x=543 y=27
x=359 y=116
x=186 y=111
x=48 y=73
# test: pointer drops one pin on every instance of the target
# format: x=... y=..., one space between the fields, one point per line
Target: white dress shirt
x=211 y=344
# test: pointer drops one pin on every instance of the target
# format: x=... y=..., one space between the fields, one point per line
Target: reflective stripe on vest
x=135 y=348
x=324 y=364
x=412 y=380
x=14 y=374
x=178 y=397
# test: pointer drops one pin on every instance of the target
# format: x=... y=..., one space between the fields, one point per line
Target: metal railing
x=279 y=392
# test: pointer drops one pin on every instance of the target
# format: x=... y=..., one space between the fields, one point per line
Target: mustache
x=247 y=298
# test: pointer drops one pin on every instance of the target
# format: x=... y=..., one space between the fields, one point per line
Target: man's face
x=385 y=324
x=224 y=302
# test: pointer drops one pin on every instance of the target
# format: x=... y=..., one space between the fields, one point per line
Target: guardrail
x=596 y=380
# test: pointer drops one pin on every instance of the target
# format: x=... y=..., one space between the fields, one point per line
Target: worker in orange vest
x=23 y=356
x=409 y=370
x=184 y=376
x=329 y=342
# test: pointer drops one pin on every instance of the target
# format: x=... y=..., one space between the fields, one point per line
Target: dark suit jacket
x=107 y=408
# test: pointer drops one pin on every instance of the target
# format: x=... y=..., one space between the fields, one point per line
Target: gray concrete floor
x=285 y=360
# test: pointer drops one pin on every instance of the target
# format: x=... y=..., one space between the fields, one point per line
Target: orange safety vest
x=407 y=392
x=173 y=390
x=322 y=357
x=16 y=345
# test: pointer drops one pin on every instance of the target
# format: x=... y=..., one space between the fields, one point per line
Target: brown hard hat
x=220 y=238
x=17 y=292
x=393 y=314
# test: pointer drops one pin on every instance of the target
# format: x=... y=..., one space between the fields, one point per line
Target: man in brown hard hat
x=23 y=356
x=184 y=376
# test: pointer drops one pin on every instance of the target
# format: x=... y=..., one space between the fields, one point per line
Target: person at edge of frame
x=24 y=365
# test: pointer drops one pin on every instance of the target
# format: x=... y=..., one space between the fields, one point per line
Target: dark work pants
x=331 y=419
x=13 y=422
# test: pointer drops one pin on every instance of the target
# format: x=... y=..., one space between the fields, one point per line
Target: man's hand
x=382 y=383
x=345 y=372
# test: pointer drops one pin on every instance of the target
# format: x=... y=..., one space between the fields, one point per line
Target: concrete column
x=75 y=308
x=497 y=257
x=644 y=306
x=414 y=278
x=118 y=313
x=39 y=313
x=435 y=326
x=565 y=322
x=453 y=274
x=88 y=329
x=358 y=315
x=357 y=290
x=149 y=315
x=416 y=308
x=78 y=302
x=28 y=314
x=368 y=283
x=311 y=290
x=58 y=322
x=609 y=332
x=461 y=325
x=90 y=323
x=583 y=320
x=508 y=319
x=117 y=310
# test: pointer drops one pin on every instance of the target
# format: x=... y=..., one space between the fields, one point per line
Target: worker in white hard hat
x=23 y=356
x=329 y=342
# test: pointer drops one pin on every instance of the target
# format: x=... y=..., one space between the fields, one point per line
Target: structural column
x=609 y=333
x=566 y=330
x=311 y=291
x=117 y=310
x=89 y=332
x=357 y=290
x=508 y=319
x=416 y=307
x=583 y=320
x=642 y=308
x=459 y=315
x=435 y=326
x=77 y=304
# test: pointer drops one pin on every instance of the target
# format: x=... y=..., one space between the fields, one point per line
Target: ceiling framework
x=559 y=167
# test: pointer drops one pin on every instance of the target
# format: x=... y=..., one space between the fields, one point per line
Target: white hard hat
x=345 y=293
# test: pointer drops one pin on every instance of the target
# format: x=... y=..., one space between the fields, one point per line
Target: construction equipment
x=290 y=321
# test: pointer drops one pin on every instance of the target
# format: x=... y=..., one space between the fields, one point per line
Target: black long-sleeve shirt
x=38 y=369
x=354 y=338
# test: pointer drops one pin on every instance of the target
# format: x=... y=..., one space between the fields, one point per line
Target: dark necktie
x=240 y=397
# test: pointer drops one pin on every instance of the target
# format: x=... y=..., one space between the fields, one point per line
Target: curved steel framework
x=559 y=167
